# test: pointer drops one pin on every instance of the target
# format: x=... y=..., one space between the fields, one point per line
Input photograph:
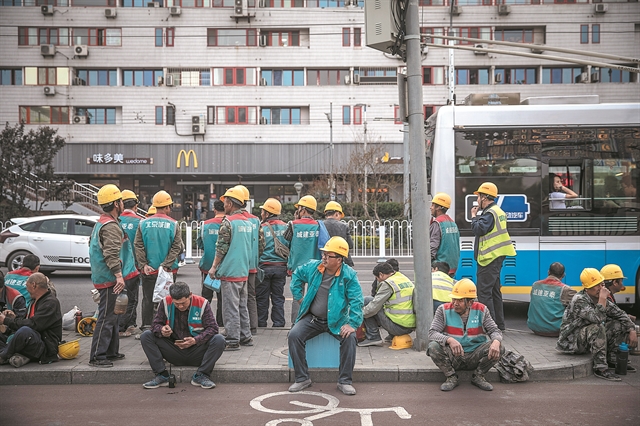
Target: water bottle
x=95 y=295
x=121 y=303
x=78 y=318
x=622 y=357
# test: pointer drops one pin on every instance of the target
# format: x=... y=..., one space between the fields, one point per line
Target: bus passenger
x=558 y=193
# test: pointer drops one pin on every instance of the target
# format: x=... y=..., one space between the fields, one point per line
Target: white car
x=60 y=241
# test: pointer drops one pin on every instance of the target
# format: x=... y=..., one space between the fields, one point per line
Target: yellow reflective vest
x=441 y=284
x=399 y=307
x=497 y=242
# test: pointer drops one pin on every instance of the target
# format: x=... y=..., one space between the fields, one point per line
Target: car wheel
x=15 y=260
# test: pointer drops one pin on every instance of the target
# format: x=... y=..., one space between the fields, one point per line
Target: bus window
x=565 y=188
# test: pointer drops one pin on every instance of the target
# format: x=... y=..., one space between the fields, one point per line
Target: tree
x=26 y=169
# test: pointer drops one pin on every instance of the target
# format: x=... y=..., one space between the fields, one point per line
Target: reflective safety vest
x=101 y=275
x=304 y=242
x=209 y=235
x=198 y=305
x=497 y=242
x=470 y=336
x=11 y=295
x=17 y=280
x=235 y=265
x=158 y=232
x=442 y=285
x=255 y=250
x=399 y=307
x=269 y=255
x=449 y=248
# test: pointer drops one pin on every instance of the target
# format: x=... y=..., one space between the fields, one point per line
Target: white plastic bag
x=69 y=319
x=163 y=282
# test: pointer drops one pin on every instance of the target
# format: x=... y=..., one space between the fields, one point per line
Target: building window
x=236 y=115
x=357 y=115
x=185 y=77
x=595 y=33
x=141 y=77
x=234 y=76
x=46 y=76
x=211 y=115
x=346 y=37
x=29 y=36
x=159 y=115
x=79 y=3
x=99 y=115
x=231 y=37
x=515 y=76
x=281 y=38
x=472 y=76
x=223 y=3
x=171 y=115
x=140 y=3
x=164 y=37
x=429 y=110
x=428 y=31
x=282 y=77
x=281 y=116
x=433 y=75
x=584 y=34
x=44 y=114
x=159 y=37
x=285 y=3
x=97 y=36
x=609 y=75
x=431 y=3
x=346 y=114
x=472 y=32
x=10 y=77
x=189 y=3
x=334 y=77
x=561 y=75
x=357 y=37
x=514 y=35
x=96 y=77
x=377 y=75
x=397 y=119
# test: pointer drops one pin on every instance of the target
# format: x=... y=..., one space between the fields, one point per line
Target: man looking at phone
x=184 y=332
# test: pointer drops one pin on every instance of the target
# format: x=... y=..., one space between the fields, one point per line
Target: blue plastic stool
x=323 y=351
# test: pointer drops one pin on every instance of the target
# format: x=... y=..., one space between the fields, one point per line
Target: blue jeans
x=272 y=287
x=309 y=327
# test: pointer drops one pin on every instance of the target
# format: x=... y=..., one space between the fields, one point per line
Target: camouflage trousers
x=601 y=341
x=477 y=360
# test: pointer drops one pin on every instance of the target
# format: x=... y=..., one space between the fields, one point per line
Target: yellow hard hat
x=307 y=201
x=129 y=195
x=86 y=326
x=442 y=199
x=337 y=245
x=590 y=277
x=272 y=205
x=162 y=199
x=69 y=350
x=152 y=210
x=401 y=342
x=235 y=193
x=108 y=194
x=464 y=289
x=245 y=193
x=612 y=272
x=334 y=206
x=487 y=188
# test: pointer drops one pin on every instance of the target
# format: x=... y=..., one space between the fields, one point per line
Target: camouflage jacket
x=583 y=311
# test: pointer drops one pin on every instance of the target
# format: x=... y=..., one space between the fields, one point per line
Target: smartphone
x=179 y=341
x=475 y=204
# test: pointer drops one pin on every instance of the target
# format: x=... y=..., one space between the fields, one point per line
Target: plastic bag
x=69 y=319
x=163 y=282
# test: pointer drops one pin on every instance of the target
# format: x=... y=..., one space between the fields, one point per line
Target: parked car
x=60 y=241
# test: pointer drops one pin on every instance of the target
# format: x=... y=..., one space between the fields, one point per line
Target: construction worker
x=129 y=221
x=151 y=211
x=441 y=284
x=333 y=304
x=231 y=266
x=111 y=265
x=492 y=245
x=17 y=279
x=593 y=324
x=335 y=227
x=445 y=236
x=549 y=299
x=158 y=244
x=302 y=233
x=10 y=300
x=273 y=261
x=252 y=306
x=206 y=241
x=463 y=336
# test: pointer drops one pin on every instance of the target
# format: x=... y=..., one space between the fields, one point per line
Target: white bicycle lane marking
x=320 y=411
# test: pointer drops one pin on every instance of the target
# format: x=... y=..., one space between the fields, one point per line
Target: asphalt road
x=581 y=402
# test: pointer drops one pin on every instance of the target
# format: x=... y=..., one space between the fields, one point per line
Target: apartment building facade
x=194 y=96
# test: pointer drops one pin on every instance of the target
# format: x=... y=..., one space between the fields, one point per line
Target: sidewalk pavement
x=267 y=362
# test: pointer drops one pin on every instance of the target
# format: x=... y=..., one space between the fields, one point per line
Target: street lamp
x=364 y=120
x=330 y=118
x=298 y=186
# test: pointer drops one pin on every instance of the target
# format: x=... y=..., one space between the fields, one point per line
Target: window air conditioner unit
x=48 y=49
x=81 y=50
x=356 y=79
x=168 y=81
x=595 y=77
x=111 y=13
x=240 y=7
x=504 y=9
x=601 y=8
x=263 y=81
x=263 y=120
x=583 y=78
x=175 y=11
x=79 y=119
x=46 y=10
x=480 y=46
x=197 y=125
x=263 y=40
x=77 y=81
x=153 y=4
x=347 y=79
x=456 y=10
x=49 y=90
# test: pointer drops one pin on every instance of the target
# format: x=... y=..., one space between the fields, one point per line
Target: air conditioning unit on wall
x=111 y=13
x=197 y=124
x=81 y=50
x=49 y=90
x=175 y=11
x=47 y=50
x=46 y=10
x=240 y=8
x=480 y=46
x=504 y=9
x=601 y=8
x=456 y=10
x=79 y=119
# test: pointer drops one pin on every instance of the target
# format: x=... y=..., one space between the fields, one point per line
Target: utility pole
x=452 y=71
x=406 y=176
x=419 y=207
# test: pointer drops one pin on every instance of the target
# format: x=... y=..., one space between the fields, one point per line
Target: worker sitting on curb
x=391 y=308
x=463 y=336
x=549 y=298
x=441 y=284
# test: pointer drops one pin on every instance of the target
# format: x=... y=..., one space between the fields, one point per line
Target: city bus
x=593 y=148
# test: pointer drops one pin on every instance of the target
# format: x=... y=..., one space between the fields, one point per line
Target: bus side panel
x=629 y=261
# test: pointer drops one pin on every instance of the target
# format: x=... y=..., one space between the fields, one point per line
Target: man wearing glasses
x=333 y=303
